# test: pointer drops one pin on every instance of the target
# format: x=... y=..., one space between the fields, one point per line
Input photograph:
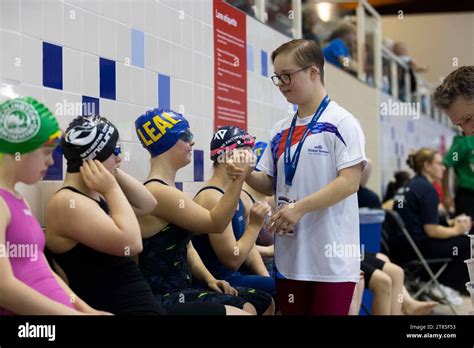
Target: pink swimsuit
x=24 y=245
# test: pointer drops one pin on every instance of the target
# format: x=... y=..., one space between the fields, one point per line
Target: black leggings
x=456 y=248
x=369 y=265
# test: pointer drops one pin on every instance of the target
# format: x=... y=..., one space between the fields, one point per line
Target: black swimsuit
x=164 y=264
x=107 y=282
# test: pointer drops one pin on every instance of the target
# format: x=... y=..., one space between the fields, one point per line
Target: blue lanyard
x=291 y=164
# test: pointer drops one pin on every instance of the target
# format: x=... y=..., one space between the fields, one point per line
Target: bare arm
x=233 y=253
x=442 y=232
x=346 y=183
x=198 y=269
x=201 y=273
x=176 y=207
x=255 y=263
x=447 y=196
x=260 y=182
x=265 y=251
x=141 y=200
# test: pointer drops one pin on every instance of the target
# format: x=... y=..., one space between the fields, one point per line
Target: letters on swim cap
x=88 y=138
x=158 y=130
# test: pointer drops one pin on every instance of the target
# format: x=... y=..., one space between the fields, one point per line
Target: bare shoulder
x=208 y=198
x=67 y=207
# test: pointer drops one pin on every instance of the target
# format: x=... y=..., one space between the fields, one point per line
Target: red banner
x=230 y=66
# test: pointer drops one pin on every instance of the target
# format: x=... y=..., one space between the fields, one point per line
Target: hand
x=285 y=218
x=462 y=224
x=233 y=172
x=244 y=160
x=97 y=177
x=257 y=214
x=222 y=286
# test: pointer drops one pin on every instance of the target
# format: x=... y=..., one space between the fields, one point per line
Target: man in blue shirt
x=342 y=43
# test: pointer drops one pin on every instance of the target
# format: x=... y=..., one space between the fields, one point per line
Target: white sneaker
x=452 y=296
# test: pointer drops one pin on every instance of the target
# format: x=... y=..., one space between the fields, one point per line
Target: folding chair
x=393 y=220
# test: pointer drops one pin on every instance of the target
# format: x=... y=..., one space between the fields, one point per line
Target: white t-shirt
x=325 y=244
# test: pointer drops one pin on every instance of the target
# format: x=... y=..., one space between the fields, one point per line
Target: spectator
x=365 y=196
x=400 y=49
x=417 y=205
x=401 y=179
x=342 y=45
x=382 y=277
x=310 y=21
x=456 y=96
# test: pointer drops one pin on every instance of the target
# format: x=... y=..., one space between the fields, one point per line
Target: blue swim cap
x=259 y=149
x=158 y=130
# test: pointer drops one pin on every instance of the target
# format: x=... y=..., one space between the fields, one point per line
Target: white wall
x=438 y=40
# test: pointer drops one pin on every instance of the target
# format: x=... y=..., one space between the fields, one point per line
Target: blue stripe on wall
x=90 y=106
x=264 y=62
x=164 y=98
x=138 y=48
x=198 y=165
x=52 y=66
x=249 y=57
x=107 y=78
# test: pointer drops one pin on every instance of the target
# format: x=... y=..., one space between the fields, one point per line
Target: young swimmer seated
x=224 y=254
x=28 y=286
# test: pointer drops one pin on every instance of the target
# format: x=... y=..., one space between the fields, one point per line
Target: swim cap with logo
x=26 y=125
x=228 y=138
x=158 y=130
x=88 y=138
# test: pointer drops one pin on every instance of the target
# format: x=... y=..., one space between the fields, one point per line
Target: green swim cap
x=26 y=125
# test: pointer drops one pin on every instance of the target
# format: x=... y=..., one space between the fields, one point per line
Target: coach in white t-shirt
x=313 y=165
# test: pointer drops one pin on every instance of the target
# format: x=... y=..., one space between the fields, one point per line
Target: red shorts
x=296 y=297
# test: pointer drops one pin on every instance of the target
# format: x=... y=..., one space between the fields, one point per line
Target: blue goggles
x=117 y=150
x=187 y=136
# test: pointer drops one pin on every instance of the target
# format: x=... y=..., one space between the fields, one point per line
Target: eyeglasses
x=117 y=150
x=187 y=136
x=285 y=79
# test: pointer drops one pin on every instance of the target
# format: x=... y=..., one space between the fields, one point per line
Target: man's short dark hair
x=460 y=82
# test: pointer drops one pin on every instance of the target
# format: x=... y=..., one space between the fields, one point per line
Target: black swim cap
x=88 y=137
x=227 y=138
